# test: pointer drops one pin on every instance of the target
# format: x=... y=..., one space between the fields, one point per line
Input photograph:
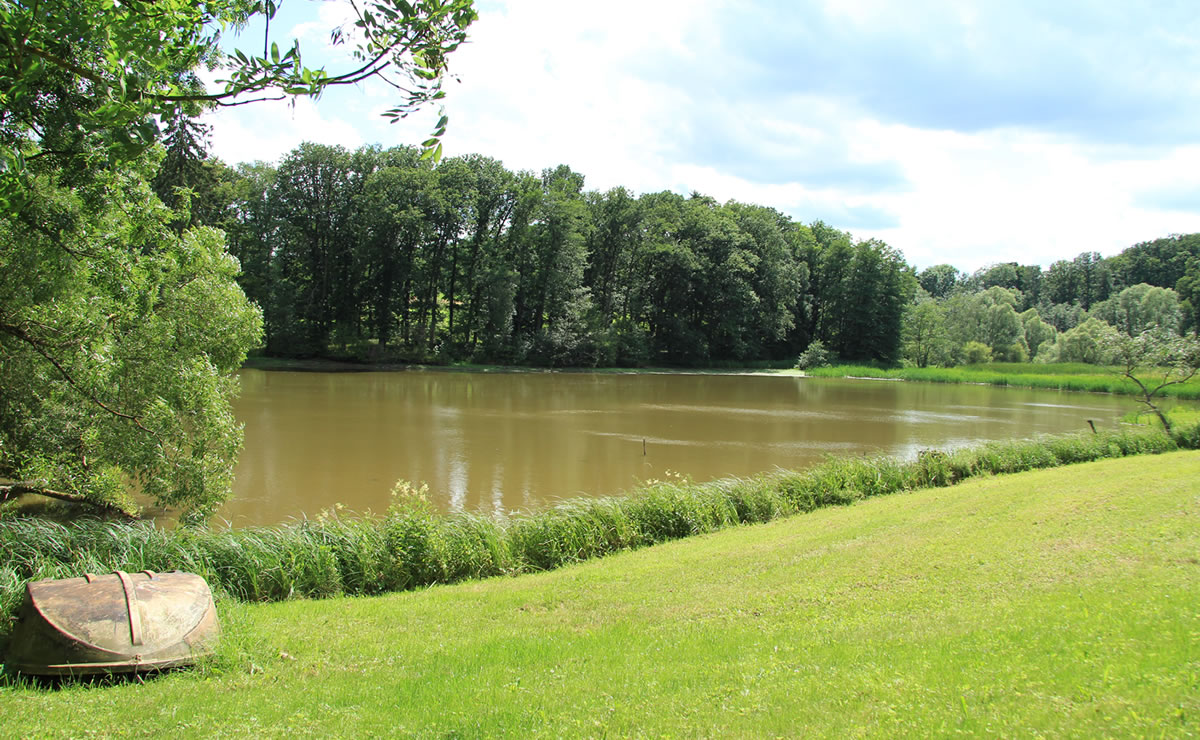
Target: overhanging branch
x=17 y=332
x=12 y=491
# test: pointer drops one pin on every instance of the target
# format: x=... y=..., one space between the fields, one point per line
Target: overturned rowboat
x=115 y=623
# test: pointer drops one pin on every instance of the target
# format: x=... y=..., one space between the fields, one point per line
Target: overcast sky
x=956 y=131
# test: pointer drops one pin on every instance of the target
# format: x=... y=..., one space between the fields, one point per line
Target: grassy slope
x=1060 y=602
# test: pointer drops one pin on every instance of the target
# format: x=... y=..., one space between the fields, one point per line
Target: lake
x=498 y=442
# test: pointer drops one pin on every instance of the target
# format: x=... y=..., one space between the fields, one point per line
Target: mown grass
x=413 y=546
x=1052 y=603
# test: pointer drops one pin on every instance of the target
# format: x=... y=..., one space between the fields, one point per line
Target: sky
x=961 y=132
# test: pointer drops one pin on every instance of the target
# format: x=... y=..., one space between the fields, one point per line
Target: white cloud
x=267 y=131
x=540 y=86
x=1020 y=196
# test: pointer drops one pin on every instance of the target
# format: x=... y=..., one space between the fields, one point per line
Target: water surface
x=497 y=442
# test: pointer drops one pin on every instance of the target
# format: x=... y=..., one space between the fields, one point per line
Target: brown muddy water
x=499 y=442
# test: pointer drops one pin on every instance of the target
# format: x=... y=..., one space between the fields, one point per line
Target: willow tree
x=118 y=335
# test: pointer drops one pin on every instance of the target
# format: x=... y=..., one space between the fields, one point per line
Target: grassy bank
x=412 y=546
x=1062 y=377
x=1059 y=603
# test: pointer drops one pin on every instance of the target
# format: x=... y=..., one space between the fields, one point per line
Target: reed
x=412 y=546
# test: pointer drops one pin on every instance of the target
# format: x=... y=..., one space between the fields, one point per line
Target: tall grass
x=412 y=546
x=1062 y=376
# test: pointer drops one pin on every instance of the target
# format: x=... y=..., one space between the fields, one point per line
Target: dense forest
x=1065 y=313
x=379 y=255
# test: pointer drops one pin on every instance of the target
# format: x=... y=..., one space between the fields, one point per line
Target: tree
x=118 y=333
x=1002 y=329
x=315 y=188
x=876 y=301
x=617 y=222
x=390 y=229
x=815 y=355
x=1029 y=283
x=1062 y=316
x=552 y=301
x=1161 y=262
x=940 y=280
x=668 y=273
x=831 y=255
x=778 y=278
x=117 y=347
x=989 y=318
x=977 y=353
x=1141 y=307
x=926 y=340
x=1188 y=288
x=251 y=225
x=1091 y=342
x=1003 y=274
x=187 y=178
x=1037 y=332
x=487 y=274
x=727 y=305
x=445 y=205
x=1153 y=361
x=1058 y=285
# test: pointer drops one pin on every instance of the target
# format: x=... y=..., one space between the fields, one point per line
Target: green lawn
x=1058 y=602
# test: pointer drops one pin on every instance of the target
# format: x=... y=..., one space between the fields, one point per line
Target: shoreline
x=1020 y=375
x=345 y=366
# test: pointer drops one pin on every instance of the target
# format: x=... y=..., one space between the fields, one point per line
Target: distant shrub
x=815 y=355
x=977 y=353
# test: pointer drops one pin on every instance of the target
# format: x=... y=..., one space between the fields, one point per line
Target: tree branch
x=357 y=75
x=64 y=64
x=16 y=331
x=12 y=491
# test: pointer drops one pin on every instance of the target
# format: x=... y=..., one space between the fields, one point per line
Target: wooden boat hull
x=115 y=623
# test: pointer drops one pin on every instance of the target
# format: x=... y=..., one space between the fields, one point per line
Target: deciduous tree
x=118 y=334
x=1140 y=308
x=1153 y=361
x=926 y=339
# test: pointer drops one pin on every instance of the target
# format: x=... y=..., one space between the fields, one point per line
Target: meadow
x=1058 y=376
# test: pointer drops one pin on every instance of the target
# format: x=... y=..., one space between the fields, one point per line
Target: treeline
x=375 y=254
x=1069 y=312
x=379 y=255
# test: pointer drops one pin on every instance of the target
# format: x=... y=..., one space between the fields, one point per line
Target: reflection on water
x=506 y=441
